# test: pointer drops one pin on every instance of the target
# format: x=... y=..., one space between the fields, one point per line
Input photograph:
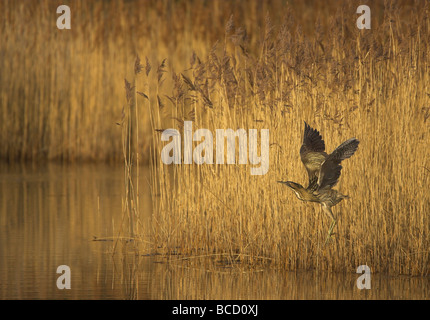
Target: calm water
x=50 y=214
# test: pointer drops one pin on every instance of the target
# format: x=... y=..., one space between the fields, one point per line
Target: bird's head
x=297 y=188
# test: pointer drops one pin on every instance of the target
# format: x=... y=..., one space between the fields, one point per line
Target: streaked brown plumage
x=323 y=170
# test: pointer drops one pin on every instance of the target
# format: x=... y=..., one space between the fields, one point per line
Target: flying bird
x=323 y=170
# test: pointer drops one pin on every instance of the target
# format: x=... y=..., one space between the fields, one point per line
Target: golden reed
x=62 y=94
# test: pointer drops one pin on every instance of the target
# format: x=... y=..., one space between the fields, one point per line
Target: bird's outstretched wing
x=312 y=154
x=330 y=168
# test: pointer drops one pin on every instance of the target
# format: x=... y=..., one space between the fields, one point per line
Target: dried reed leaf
x=142 y=94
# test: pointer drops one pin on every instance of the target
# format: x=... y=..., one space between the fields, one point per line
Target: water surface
x=50 y=214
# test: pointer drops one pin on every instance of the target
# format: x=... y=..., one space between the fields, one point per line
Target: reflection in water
x=48 y=217
x=50 y=214
x=183 y=283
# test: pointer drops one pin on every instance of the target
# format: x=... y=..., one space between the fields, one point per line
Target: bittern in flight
x=323 y=170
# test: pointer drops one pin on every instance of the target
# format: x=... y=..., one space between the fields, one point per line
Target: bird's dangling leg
x=333 y=222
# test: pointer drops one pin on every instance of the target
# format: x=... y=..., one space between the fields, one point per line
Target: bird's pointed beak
x=291 y=184
x=287 y=183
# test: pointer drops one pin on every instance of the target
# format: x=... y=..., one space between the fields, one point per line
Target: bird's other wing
x=346 y=149
x=312 y=154
x=330 y=168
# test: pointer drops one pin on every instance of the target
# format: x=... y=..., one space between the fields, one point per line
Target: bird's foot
x=330 y=232
x=329 y=238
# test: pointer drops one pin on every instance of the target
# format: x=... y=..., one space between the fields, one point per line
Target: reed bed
x=236 y=64
x=368 y=84
x=61 y=91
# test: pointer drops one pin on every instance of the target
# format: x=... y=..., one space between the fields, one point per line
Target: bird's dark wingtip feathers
x=312 y=140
